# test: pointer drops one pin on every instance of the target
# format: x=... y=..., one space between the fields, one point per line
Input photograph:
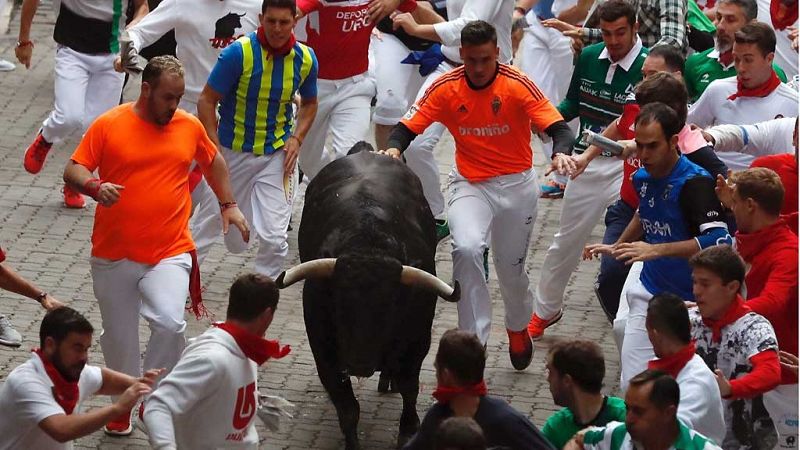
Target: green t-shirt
x=561 y=426
x=702 y=69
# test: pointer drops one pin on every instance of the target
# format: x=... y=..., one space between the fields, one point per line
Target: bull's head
x=367 y=294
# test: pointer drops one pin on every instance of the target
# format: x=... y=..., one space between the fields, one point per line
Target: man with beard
x=717 y=62
x=143 y=257
x=42 y=398
x=651 y=422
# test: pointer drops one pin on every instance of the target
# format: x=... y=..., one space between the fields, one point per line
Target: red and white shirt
x=339 y=32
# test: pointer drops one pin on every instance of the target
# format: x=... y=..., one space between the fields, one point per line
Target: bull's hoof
x=351 y=443
x=385 y=385
x=403 y=438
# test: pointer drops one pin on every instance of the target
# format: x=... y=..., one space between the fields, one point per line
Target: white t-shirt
x=714 y=108
x=700 y=406
x=26 y=398
x=462 y=12
x=202 y=29
x=785 y=55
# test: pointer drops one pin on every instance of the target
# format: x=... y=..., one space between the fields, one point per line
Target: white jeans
x=622 y=312
x=636 y=347
x=397 y=84
x=125 y=289
x=85 y=87
x=344 y=110
x=782 y=404
x=259 y=189
x=502 y=209
x=419 y=155
x=584 y=204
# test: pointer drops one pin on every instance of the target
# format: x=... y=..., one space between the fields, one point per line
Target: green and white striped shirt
x=615 y=437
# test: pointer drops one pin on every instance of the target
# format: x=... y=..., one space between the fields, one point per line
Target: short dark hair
x=478 y=32
x=665 y=392
x=667 y=313
x=672 y=57
x=665 y=88
x=763 y=185
x=614 y=9
x=251 y=294
x=582 y=360
x=159 y=65
x=663 y=115
x=62 y=321
x=758 y=33
x=289 y=4
x=459 y=433
x=721 y=260
x=462 y=353
x=749 y=7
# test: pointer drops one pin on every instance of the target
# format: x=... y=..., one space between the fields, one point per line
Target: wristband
x=298 y=139
x=39 y=298
x=227 y=205
x=92 y=187
x=21 y=44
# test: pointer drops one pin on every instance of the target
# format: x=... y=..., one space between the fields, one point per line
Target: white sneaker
x=6 y=66
x=8 y=335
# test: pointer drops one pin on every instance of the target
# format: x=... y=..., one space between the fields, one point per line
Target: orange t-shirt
x=491 y=126
x=150 y=221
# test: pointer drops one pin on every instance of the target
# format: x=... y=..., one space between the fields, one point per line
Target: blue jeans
x=613 y=272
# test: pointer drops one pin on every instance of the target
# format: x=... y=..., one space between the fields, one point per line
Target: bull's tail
x=361 y=146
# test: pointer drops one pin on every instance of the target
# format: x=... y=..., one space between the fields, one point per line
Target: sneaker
x=552 y=189
x=8 y=335
x=6 y=66
x=119 y=426
x=520 y=348
x=537 y=325
x=36 y=154
x=442 y=229
x=486 y=264
x=73 y=198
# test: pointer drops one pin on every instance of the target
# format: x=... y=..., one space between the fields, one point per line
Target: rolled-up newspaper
x=604 y=143
x=271 y=408
x=129 y=56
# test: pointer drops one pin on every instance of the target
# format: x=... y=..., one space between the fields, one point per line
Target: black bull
x=366 y=231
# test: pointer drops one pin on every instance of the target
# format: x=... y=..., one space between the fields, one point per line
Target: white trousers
x=622 y=312
x=126 y=289
x=85 y=87
x=503 y=210
x=419 y=155
x=584 y=204
x=258 y=187
x=782 y=404
x=344 y=110
x=546 y=59
x=397 y=84
x=636 y=347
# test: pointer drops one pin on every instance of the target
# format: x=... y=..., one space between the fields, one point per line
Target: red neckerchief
x=725 y=59
x=734 y=312
x=750 y=244
x=65 y=392
x=673 y=364
x=254 y=347
x=781 y=21
x=195 y=290
x=760 y=91
x=444 y=394
x=283 y=50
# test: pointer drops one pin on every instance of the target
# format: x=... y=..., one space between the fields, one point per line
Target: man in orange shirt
x=489 y=109
x=143 y=257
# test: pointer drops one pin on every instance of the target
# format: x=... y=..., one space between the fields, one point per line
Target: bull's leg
x=408 y=385
x=340 y=390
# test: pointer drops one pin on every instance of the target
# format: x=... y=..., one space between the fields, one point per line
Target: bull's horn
x=415 y=277
x=316 y=268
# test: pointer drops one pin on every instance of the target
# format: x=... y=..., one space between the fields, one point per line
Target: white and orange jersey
x=491 y=125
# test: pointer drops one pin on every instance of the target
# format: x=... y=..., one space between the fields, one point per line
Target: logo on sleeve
x=411 y=112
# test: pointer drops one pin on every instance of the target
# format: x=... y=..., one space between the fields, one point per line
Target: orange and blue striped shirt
x=256 y=111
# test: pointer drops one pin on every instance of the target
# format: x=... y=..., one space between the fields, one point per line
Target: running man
x=254 y=83
x=143 y=256
x=489 y=108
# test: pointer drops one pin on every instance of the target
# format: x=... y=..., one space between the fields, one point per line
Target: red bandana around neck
x=280 y=51
x=65 y=392
x=254 y=347
x=673 y=364
x=734 y=312
x=726 y=59
x=760 y=91
x=444 y=394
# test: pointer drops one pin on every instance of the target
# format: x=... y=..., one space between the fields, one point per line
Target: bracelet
x=39 y=298
x=21 y=44
x=298 y=139
x=227 y=205
x=92 y=187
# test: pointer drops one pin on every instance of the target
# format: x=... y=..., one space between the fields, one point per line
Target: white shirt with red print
x=208 y=401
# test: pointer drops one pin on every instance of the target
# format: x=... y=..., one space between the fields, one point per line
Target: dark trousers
x=613 y=272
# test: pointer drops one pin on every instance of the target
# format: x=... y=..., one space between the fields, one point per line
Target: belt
x=451 y=62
